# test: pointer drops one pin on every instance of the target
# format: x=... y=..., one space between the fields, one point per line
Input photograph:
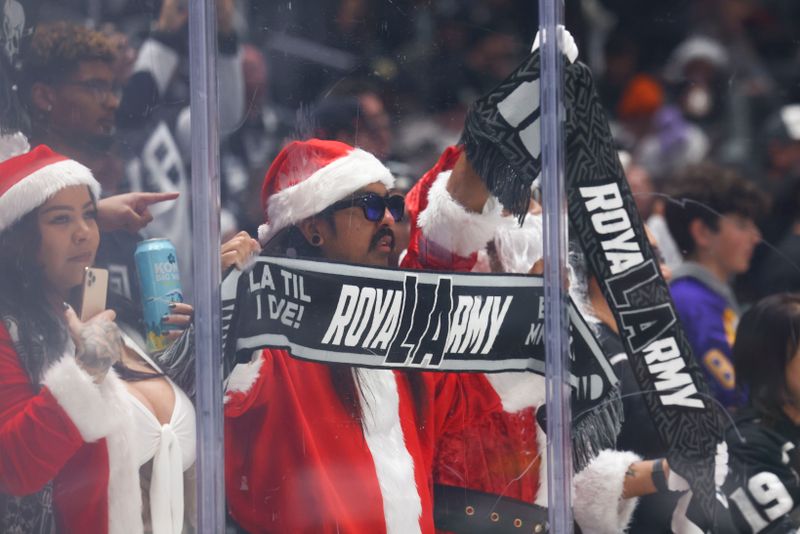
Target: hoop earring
x=316 y=240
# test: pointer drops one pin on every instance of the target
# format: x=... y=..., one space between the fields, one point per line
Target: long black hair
x=767 y=339
x=292 y=243
x=39 y=334
x=24 y=306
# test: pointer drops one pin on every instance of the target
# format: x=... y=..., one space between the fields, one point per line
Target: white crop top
x=172 y=448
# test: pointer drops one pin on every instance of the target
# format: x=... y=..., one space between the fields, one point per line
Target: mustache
x=380 y=234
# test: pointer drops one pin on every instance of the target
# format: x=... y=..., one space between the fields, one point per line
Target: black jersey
x=761 y=491
x=763 y=486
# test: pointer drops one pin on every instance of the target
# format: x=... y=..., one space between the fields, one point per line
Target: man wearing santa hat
x=332 y=448
x=314 y=447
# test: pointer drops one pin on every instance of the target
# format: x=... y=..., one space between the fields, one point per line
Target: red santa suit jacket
x=503 y=453
x=73 y=432
x=297 y=461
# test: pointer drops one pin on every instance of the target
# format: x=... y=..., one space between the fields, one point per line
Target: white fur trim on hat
x=448 y=224
x=394 y=466
x=597 y=493
x=333 y=182
x=37 y=188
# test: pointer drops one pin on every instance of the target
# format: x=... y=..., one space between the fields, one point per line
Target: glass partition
x=98 y=420
x=398 y=266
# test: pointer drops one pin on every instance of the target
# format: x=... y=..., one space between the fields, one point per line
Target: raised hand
x=180 y=315
x=129 y=211
x=238 y=250
x=226 y=10
x=97 y=342
x=173 y=16
x=566 y=43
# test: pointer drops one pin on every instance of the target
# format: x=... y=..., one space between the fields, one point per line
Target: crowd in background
x=713 y=80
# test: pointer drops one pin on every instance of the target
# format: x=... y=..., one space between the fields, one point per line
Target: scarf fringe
x=511 y=188
x=506 y=167
x=597 y=429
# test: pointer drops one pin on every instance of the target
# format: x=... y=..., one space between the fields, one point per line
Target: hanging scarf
x=501 y=139
x=414 y=320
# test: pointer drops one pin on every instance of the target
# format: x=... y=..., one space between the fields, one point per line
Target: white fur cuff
x=448 y=224
x=243 y=376
x=518 y=391
x=81 y=398
x=597 y=495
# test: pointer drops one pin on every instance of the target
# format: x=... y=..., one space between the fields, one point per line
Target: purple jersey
x=709 y=320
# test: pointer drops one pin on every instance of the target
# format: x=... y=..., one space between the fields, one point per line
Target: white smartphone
x=93 y=293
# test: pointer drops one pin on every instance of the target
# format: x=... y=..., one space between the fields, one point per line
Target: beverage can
x=160 y=283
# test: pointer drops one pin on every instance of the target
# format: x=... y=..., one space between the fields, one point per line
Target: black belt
x=466 y=511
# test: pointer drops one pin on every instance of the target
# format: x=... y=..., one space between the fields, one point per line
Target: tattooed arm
x=97 y=342
x=639 y=478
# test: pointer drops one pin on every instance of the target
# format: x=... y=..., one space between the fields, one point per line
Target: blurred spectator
x=155 y=120
x=71 y=93
x=717 y=94
x=780 y=150
x=775 y=267
x=780 y=269
x=620 y=65
x=246 y=154
x=711 y=214
x=697 y=68
x=353 y=111
x=17 y=23
x=656 y=134
x=650 y=204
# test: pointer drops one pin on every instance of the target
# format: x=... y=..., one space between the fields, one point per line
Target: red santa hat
x=308 y=176
x=28 y=180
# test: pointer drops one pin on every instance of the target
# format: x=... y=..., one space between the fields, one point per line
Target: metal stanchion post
x=559 y=444
x=206 y=255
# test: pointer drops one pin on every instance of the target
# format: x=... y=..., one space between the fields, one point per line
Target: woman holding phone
x=66 y=457
x=80 y=449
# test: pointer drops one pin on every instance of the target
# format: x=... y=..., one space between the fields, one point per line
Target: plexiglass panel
x=399 y=266
x=98 y=421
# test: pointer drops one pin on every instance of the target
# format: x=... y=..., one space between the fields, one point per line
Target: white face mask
x=698 y=102
x=519 y=247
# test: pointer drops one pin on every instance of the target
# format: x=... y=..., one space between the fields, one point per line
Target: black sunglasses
x=374 y=206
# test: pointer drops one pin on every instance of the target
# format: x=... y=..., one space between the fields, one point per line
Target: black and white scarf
x=502 y=144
